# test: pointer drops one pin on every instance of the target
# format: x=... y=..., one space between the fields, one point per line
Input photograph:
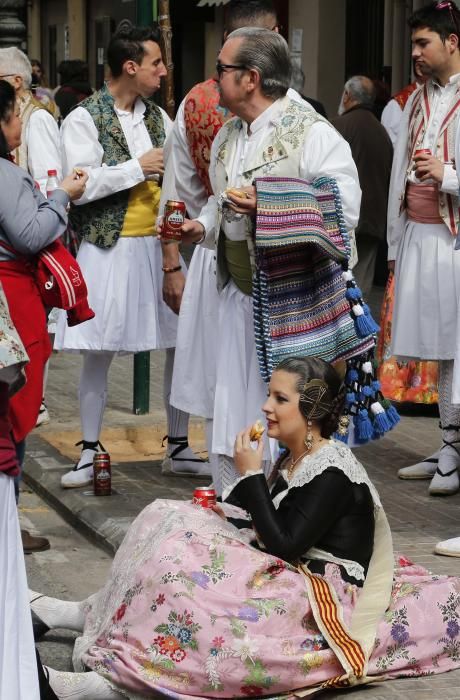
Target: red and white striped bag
x=59 y=280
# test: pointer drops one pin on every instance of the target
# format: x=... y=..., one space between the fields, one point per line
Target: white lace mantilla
x=353 y=568
x=334 y=454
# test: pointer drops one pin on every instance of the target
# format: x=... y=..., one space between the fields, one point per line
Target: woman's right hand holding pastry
x=247 y=459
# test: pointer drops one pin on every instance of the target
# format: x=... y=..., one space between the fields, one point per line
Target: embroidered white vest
x=445 y=147
x=279 y=156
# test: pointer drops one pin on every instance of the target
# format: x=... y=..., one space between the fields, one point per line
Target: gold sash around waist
x=239 y=264
x=422 y=203
x=141 y=215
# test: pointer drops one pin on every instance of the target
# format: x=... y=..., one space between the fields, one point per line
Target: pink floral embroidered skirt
x=191 y=609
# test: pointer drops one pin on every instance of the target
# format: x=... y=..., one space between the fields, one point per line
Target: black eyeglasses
x=448 y=6
x=223 y=67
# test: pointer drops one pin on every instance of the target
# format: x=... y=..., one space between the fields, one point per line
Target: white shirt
x=324 y=153
x=43 y=147
x=440 y=101
x=181 y=180
x=391 y=120
x=81 y=149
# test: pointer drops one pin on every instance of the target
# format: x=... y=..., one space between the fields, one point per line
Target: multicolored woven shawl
x=302 y=248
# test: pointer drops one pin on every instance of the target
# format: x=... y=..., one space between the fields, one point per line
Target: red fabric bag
x=59 y=280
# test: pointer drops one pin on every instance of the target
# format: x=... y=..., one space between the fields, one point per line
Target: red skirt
x=415 y=381
x=28 y=315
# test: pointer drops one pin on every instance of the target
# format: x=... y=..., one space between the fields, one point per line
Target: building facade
x=329 y=40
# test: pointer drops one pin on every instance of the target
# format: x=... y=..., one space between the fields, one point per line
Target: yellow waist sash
x=239 y=264
x=141 y=215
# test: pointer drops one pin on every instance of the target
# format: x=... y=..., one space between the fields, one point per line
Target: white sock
x=58 y=613
x=81 y=686
x=93 y=397
x=177 y=424
x=177 y=420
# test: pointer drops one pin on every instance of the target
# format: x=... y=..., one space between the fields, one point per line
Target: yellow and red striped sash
x=328 y=616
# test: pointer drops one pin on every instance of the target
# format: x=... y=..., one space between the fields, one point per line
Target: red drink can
x=421 y=151
x=173 y=220
x=102 y=474
x=204 y=496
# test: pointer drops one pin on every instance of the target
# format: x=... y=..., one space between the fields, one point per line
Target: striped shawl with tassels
x=299 y=293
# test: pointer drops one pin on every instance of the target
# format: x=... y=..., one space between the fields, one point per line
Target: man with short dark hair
x=373 y=153
x=423 y=218
x=117 y=137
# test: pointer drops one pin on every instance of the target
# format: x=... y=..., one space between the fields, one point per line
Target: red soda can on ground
x=173 y=219
x=102 y=478
x=204 y=496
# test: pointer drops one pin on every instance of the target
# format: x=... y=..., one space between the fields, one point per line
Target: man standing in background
x=373 y=154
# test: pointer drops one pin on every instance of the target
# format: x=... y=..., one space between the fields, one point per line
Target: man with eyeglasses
x=423 y=218
x=198 y=120
x=277 y=136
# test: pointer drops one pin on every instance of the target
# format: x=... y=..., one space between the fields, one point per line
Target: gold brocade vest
x=279 y=155
x=27 y=106
x=445 y=147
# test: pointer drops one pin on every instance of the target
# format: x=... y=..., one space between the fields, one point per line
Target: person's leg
x=43 y=415
x=446 y=479
x=55 y=613
x=30 y=543
x=93 y=397
x=180 y=458
x=80 y=686
x=364 y=269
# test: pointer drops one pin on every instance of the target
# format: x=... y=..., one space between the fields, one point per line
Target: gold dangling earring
x=308 y=442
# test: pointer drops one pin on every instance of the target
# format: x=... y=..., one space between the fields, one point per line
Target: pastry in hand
x=257 y=431
x=237 y=193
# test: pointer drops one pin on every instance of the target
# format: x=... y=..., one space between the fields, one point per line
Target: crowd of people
x=287 y=212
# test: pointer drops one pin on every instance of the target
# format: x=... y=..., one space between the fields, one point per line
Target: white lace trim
x=334 y=454
x=353 y=568
x=228 y=489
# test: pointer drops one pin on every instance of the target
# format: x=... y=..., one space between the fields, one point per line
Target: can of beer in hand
x=102 y=474
x=173 y=220
x=204 y=496
x=422 y=151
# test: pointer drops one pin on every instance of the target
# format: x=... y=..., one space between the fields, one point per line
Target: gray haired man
x=40 y=148
x=372 y=152
x=274 y=135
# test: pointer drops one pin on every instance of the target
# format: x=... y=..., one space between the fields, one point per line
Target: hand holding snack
x=242 y=200
x=257 y=430
x=248 y=459
x=74 y=184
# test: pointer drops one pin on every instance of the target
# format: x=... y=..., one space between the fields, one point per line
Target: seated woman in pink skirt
x=293 y=589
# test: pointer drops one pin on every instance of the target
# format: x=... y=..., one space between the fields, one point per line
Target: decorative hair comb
x=312 y=396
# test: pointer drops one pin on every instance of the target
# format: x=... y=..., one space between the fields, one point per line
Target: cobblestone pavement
x=417 y=520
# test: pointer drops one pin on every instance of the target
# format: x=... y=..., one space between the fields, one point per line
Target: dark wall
x=364 y=37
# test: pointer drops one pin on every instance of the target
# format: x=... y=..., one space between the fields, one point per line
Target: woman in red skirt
x=28 y=223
